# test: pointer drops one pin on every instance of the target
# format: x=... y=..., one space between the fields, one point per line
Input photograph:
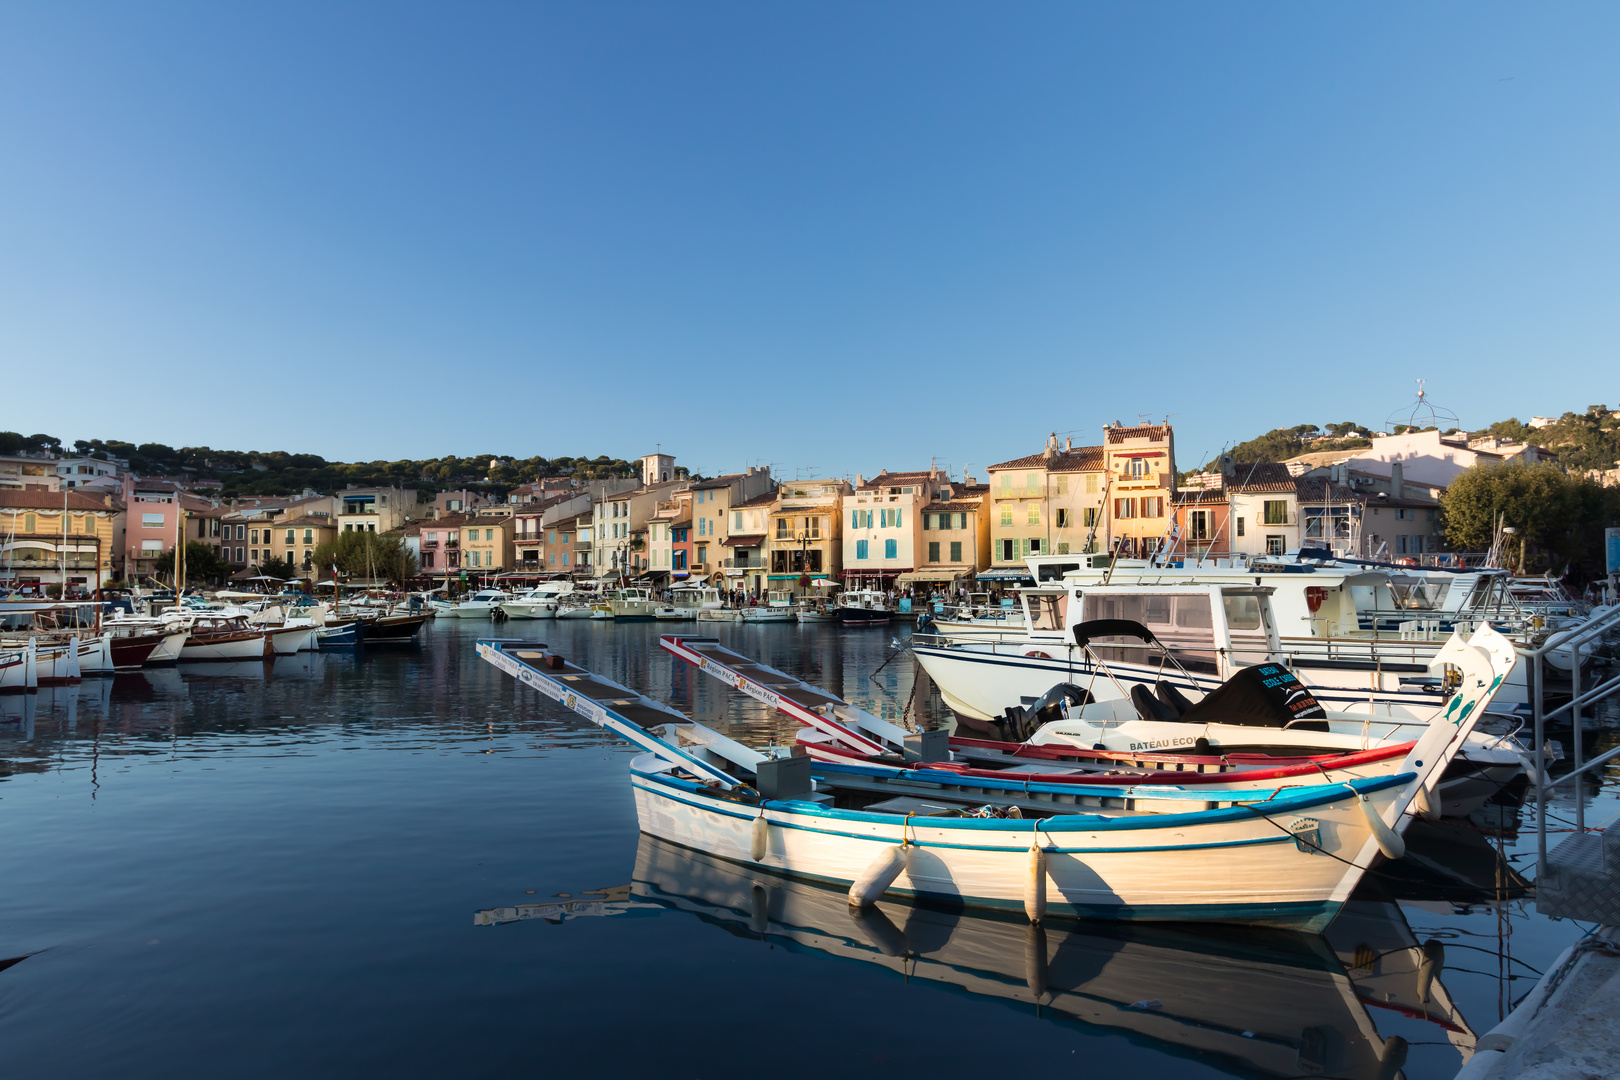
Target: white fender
x=760 y=842
x=73 y=657
x=31 y=666
x=1035 y=883
x=1389 y=842
x=878 y=876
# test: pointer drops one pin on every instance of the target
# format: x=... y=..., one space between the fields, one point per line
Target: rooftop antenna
x=1423 y=414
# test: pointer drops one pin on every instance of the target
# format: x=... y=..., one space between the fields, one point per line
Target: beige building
x=37 y=547
x=956 y=534
x=883 y=535
x=723 y=509
x=805 y=533
x=1046 y=503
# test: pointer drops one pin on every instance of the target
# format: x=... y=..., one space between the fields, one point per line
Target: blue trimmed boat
x=1287 y=857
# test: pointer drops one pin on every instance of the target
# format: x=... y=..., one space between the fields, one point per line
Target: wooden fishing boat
x=1286 y=857
x=225 y=637
x=836 y=730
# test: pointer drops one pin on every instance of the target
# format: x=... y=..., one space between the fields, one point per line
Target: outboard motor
x=1019 y=722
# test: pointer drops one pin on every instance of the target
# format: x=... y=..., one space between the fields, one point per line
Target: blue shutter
x=897 y=519
x=860 y=549
x=854 y=519
x=890 y=547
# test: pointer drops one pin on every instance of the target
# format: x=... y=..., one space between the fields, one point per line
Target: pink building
x=152 y=524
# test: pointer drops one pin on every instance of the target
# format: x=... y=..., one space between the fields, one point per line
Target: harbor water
x=401 y=863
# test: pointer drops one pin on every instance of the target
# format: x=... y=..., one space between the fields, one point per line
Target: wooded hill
x=277 y=472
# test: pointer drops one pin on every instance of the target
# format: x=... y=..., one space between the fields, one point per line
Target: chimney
x=1397 y=480
x=860 y=481
x=1068 y=444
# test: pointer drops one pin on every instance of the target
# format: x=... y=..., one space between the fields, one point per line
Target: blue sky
x=836 y=236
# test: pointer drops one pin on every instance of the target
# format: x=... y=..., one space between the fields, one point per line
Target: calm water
x=402 y=864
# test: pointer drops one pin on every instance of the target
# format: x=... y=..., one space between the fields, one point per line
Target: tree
x=367 y=555
x=1559 y=518
x=203 y=564
x=278 y=568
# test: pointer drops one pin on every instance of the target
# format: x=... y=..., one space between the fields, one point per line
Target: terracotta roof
x=937 y=507
x=153 y=485
x=1080 y=459
x=1156 y=432
x=891 y=479
x=52 y=500
x=758 y=500
x=718 y=481
x=489 y=519
x=312 y=521
x=1319 y=489
x=1202 y=497
x=1261 y=476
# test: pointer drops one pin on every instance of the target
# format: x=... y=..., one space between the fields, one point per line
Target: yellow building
x=486 y=543
x=805 y=534
x=1047 y=503
x=1141 y=464
x=37 y=548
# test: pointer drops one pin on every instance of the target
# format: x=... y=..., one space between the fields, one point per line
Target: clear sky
x=832 y=236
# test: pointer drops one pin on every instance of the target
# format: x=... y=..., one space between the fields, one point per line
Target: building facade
x=805 y=533
x=63 y=538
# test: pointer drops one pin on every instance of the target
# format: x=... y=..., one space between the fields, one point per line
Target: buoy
x=1389 y=842
x=1035 y=961
x=878 y=876
x=1391 y=1058
x=760 y=841
x=1434 y=961
x=1035 y=884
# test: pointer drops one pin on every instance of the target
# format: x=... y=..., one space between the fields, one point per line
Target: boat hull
x=1237 y=866
x=254 y=646
x=291 y=640
x=395 y=629
x=853 y=616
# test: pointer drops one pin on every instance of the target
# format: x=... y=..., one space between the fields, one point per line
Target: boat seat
x=1172 y=697
x=1149 y=707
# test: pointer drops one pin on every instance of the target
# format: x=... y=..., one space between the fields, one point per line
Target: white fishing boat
x=19 y=669
x=224 y=637
x=540 y=602
x=171 y=636
x=632 y=604
x=863 y=607
x=1290 y=858
x=480 y=605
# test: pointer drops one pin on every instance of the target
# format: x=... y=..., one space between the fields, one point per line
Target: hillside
x=278 y=472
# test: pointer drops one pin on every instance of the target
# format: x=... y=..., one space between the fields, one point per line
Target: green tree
x=367 y=555
x=278 y=568
x=203 y=564
x=1558 y=518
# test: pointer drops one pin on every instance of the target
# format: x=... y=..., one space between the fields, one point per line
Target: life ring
x=1408 y=562
x=1037 y=654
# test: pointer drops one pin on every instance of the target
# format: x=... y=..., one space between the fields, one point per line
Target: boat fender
x=1434 y=961
x=1389 y=842
x=1392 y=1058
x=1423 y=805
x=1035 y=883
x=878 y=876
x=760 y=902
x=1200 y=745
x=1035 y=965
x=760 y=841
x=878 y=929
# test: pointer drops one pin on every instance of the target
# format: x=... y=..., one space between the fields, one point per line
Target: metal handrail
x=1536 y=658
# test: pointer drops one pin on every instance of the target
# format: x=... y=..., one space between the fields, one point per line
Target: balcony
x=1279 y=521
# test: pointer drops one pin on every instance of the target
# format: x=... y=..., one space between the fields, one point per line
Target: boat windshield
x=1183 y=623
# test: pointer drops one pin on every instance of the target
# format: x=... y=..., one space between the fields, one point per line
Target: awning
x=932 y=575
x=1007 y=573
x=814 y=578
x=743 y=541
x=878 y=572
x=653 y=575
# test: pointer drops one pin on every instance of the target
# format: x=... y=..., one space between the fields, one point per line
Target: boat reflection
x=1251 y=1001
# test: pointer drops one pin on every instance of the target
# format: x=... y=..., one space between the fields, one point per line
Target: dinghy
x=1287 y=857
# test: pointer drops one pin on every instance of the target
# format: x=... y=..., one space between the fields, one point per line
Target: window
x=310 y=555
x=956 y=551
x=1034 y=514
x=1006 y=517
x=890 y=549
x=928 y=522
x=29 y=525
x=1062 y=484
x=148 y=521
x=933 y=551
x=291 y=533
x=472 y=558
x=860 y=549
x=309 y=536
x=1124 y=508
x=241 y=534
x=1276 y=511
x=1239 y=526
x=253 y=535
x=1032 y=482
x=489 y=534
x=1006 y=481
x=736 y=520
x=1088 y=516
x=1034 y=543
x=1198 y=525
x=1400 y=544
x=241 y=553
x=1091 y=483
x=1274 y=545
x=683 y=559
x=1152 y=506
x=1009 y=550
x=961 y=520
x=150 y=548
x=1062 y=518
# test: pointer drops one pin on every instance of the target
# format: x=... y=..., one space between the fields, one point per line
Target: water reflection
x=1254 y=1002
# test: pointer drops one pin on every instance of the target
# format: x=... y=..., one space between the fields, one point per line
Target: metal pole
x=1541 y=764
x=1575 y=687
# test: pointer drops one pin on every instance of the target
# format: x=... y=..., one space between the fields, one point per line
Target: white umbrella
x=824 y=583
